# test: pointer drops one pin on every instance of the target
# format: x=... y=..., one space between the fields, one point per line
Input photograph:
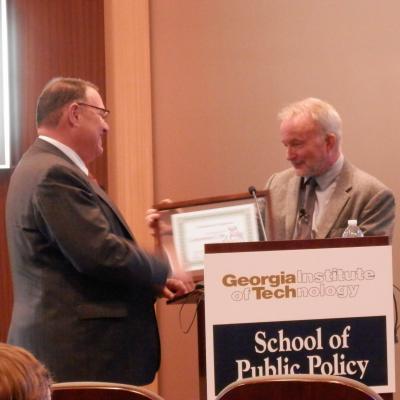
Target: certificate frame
x=164 y=239
x=192 y=230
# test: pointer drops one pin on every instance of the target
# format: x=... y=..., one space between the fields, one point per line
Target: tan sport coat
x=357 y=195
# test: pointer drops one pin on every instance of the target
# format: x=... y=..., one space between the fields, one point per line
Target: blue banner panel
x=351 y=347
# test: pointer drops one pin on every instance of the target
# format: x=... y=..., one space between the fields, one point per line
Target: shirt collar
x=329 y=176
x=71 y=154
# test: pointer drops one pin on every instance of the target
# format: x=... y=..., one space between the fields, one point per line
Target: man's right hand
x=177 y=285
x=155 y=221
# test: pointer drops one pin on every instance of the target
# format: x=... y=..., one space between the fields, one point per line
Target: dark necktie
x=306 y=210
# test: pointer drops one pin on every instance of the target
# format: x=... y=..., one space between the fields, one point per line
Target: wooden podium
x=248 y=251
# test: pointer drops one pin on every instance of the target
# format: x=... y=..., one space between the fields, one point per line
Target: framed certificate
x=192 y=230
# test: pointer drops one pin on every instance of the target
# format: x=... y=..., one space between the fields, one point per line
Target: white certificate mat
x=192 y=230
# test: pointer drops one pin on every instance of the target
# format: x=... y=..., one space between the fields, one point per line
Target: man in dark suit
x=84 y=291
x=311 y=131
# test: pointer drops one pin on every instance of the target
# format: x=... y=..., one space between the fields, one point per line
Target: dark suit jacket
x=83 y=291
x=357 y=196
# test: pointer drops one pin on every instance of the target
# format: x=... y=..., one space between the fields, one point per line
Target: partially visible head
x=72 y=111
x=22 y=376
x=311 y=131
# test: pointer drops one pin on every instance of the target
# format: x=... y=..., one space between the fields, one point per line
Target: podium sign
x=310 y=310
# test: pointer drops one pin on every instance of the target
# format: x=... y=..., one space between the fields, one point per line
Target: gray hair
x=321 y=112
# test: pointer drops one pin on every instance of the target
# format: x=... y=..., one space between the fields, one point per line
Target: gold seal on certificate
x=192 y=230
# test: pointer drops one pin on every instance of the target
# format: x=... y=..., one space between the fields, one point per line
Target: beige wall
x=220 y=71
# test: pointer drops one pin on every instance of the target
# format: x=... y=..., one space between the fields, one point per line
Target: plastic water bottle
x=352 y=229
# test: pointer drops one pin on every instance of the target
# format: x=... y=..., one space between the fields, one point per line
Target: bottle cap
x=352 y=222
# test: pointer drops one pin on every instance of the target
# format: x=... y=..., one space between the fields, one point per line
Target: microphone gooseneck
x=253 y=192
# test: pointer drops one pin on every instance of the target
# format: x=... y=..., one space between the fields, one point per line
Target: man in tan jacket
x=311 y=131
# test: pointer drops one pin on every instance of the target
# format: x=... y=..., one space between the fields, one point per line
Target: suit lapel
x=340 y=197
x=100 y=192
x=42 y=145
x=292 y=200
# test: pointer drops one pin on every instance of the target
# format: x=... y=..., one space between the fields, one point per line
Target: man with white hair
x=322 y=191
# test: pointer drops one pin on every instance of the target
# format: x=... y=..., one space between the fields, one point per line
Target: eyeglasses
x=103 y=112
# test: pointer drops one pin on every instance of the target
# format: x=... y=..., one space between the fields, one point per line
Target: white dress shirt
x=71 y=154
x=324 y=190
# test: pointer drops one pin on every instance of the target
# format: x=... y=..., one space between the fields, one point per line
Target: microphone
x=253 y=192
x=303 y=216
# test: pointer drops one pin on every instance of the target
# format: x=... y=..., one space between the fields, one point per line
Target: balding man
x=84 y=291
